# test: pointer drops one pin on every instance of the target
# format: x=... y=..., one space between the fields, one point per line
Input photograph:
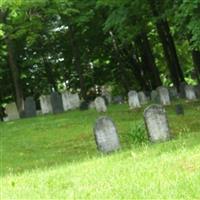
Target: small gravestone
x=197 y=91
x=106 y=136
x=173 y=93
x=56 y=102
x=190 y=93
x=91 y=105
x=142 y=98
x=156 y=123
x=11 y=111
x=133 y=100
x=75 y=101
x=179 y=109
x=45 y=104
x=100 y=104
x=155 y=97
x=29 y=107
x=164 y=95
x=84 y=105
x=66 y=100
x=117 y=99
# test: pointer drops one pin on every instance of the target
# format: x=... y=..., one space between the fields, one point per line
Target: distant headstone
x=156 y=123
x=164 y=95
x=143 y=98
x=45 y=104
x=84 y=105
x=190 y=93
x=118 y=99
x=100 y=104
x=106 y=136
x=29 y=107
x=107 y=95
x=56 y=102
x=75 y=101
x=173 y=93
x=91 y=105
x=11 y=111
x=179 y=109
x=182 y=90
x=133 y=100
x=197 y=91
x=155 y=97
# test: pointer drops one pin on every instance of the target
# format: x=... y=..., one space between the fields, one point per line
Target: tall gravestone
x=75 y=101
x=190 y=93
x=11 y=111
x=143 y=98
x=106 y=136
x=155 y=96
x=100 y=104
x=133 y=100
x=156 y=123
x=70 y=101
x=163 y=95
x=45 y=104
x=29 y=107
x=56 y=102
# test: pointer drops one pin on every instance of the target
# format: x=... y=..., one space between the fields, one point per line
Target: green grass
x=55 y=157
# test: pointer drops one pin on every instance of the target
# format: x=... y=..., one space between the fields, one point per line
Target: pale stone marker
x=45 y=104
x=11 y=111
x=106 y=136
x=156 y=123
x=70 y=101
x=133 y=100
x=100 y=104
x=29 y=107
x=56 y=102
x=143 y=98
x=75 y=101
x=164 y=95
x=190 y=92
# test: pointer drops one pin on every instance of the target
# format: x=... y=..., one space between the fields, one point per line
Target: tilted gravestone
x=45 y=104
x=190 y=93
x=179 y=109
x=100 y=104
x=142 y=98
x=133 y=100
x=164 y=95
x=197 y=91
x=173 y=93
x=29 y=107
x=11 y=111
x=154 y=96
x=106 y=136
x=156 y=123
x=56 y=102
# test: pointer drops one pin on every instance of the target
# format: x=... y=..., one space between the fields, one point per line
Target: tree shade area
x=51 y=45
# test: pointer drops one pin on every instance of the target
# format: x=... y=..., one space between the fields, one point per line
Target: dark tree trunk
x=15 y=76
x=196 y=61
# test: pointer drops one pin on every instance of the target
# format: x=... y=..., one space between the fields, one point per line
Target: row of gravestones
x=54 y=103
x=156 y=122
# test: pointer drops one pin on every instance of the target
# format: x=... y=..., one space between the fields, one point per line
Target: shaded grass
x=55 y=157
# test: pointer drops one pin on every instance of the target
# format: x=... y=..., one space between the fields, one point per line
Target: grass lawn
x=55 y=157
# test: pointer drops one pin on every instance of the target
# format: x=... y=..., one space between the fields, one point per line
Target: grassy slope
x=55 y=157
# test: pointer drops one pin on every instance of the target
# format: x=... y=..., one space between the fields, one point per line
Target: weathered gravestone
x=70 y=101
x=133 y=100
x=100 y=104
x=45 y=104
x=197 y=91
x=173 y=93
x=107 y=95
x=75 y=101
x=155 y=97
x=106 y=136
x=29 y=107
x=56 y=102
x=156 y=123
x=91 y=105
x=142 y=98
x=164 y=95
x=118 y=99
x=11 y=111
x=84 y=105
x=179 y=109
x=190 y=93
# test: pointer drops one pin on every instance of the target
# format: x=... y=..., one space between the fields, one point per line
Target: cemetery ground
x=55 y=157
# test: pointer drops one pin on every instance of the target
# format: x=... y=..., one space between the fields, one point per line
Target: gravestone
x=29 y=107
x=156 y=123
x=56 y=102
x=163 y=95
x=70 y=101
x=11 y=111
x=75 y=101
x=197 y=91
x=190 y=93
x=173 y=93
x=91 y=105
x=100 y=104
x=155 y=96
x=45 y=104
x=133 y=100
x=84 y=105
x=142 y=98
x=182 y=90
x=106 y=136
x=179 y=109
x=107 y=95
x=118 y=99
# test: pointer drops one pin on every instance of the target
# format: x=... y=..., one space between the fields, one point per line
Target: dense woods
x=81 y=45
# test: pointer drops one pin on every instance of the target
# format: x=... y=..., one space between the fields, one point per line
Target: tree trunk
x=196 y=61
